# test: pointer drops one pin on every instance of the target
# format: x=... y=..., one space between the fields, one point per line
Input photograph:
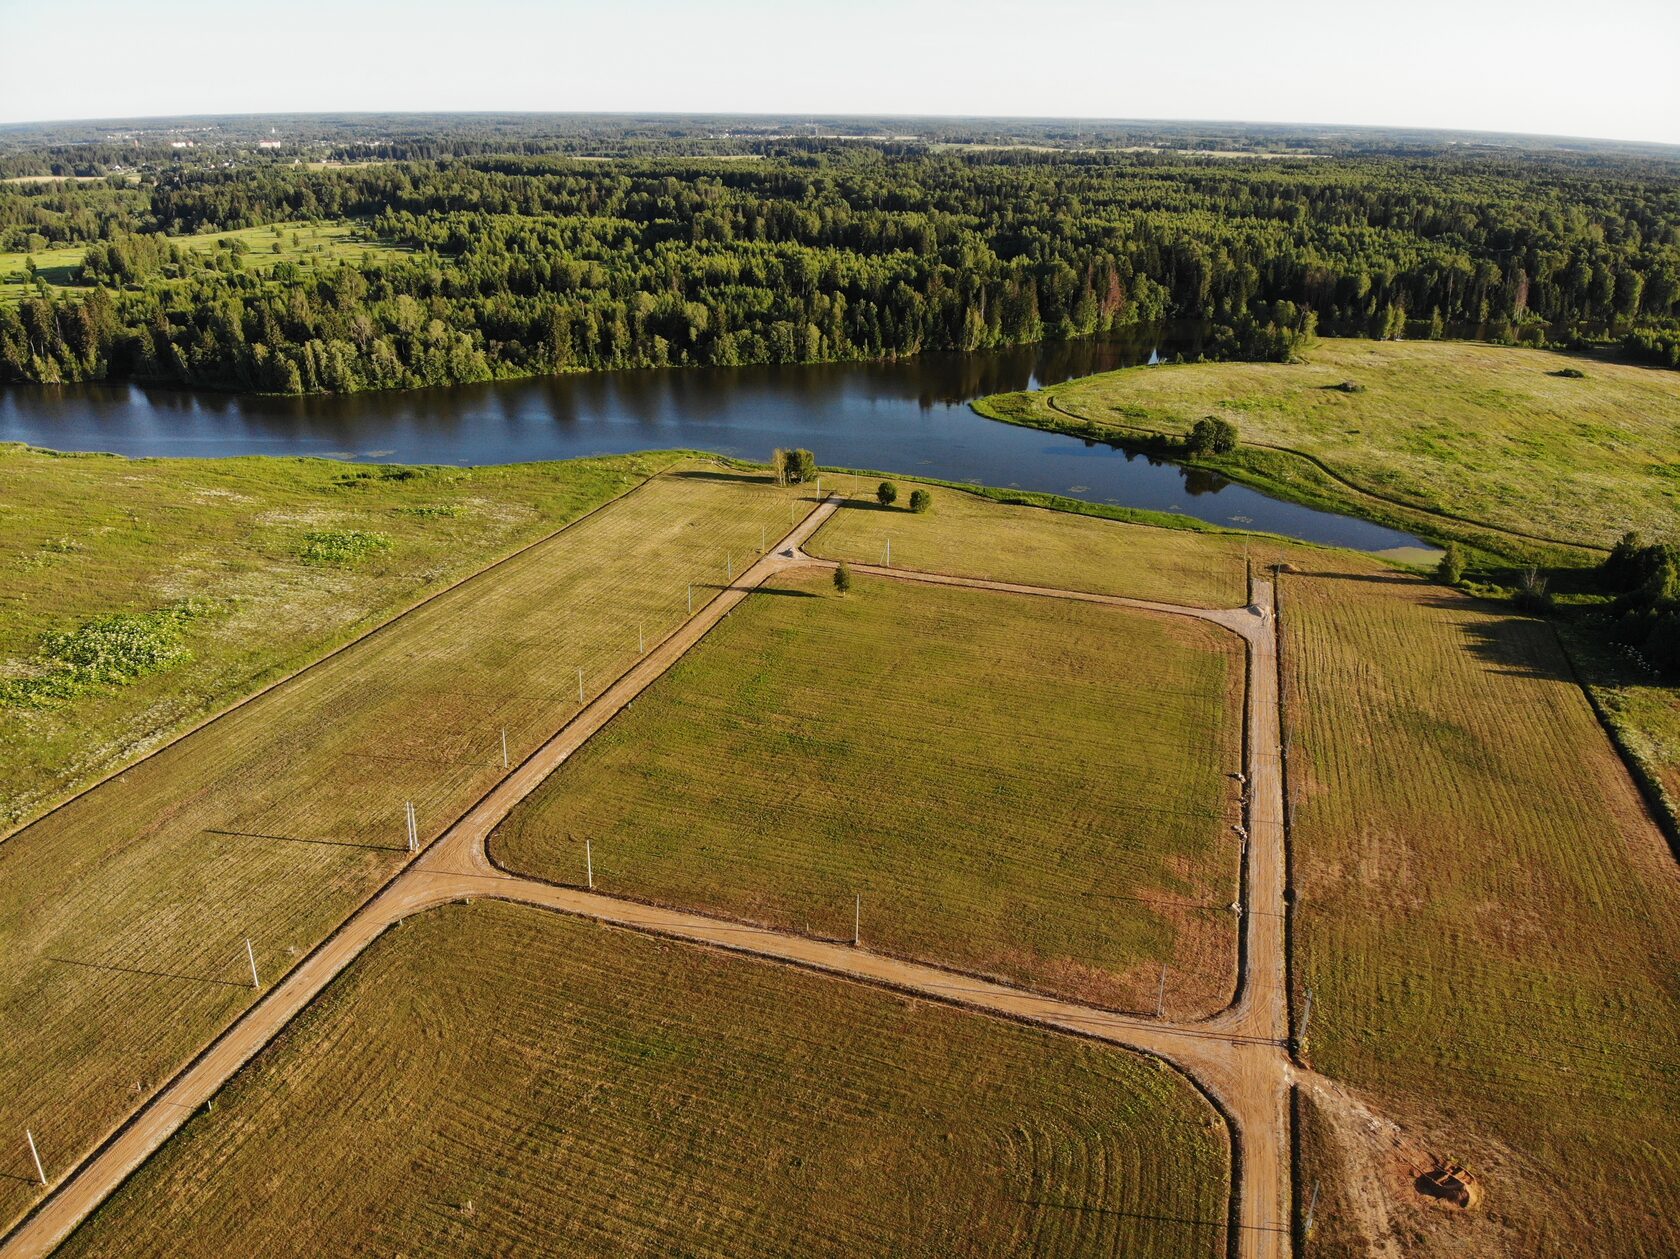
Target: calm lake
x=910 y=416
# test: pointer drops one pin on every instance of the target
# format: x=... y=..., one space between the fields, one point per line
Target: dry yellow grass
x=494 y=1080
x=123 y=915
x=971 y=536
x=1032 y=788
x=1487 y=916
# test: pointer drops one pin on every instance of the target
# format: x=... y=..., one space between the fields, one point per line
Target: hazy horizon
x=1490 y=67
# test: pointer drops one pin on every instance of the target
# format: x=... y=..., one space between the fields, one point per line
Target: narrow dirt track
x=1238 y=1056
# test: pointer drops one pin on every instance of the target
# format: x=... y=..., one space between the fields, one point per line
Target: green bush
x=109 y=650
x=842 y=577
x=793 y=467
x=1450 y=571
x=920 y=501
x=341 y=546
x=886 y=493
x=1211 y=436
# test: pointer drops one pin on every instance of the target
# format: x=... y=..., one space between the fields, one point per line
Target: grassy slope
x=1014 y=785
x=123 y=914
x=507 y=1081
x=1479 y=431
x=88 y=535
x=970 y=536
x=1488 y=917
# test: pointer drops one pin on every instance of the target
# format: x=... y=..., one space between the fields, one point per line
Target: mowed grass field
x=971 y=536
x=123 y=914
x=85 y=537
x=494 y=1080
x=1025 y=787
x=305 y=244
x=1487 y=917
x=1486 y=432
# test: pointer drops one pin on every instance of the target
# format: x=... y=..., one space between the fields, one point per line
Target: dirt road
x=1237 y=1056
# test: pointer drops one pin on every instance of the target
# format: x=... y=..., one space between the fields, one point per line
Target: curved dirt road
x=1238 y=1056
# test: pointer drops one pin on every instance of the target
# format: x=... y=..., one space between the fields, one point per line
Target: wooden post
x=36 y=1155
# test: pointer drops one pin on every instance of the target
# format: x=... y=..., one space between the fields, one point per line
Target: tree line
x=517 y=263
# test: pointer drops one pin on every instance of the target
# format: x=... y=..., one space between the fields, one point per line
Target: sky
x=1607 y=69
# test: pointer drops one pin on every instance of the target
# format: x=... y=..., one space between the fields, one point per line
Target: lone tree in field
x=1211 y=436
x=920 y=501
x=842 y=577
x=1450 y=571
x=886 y=493
x=793 y=467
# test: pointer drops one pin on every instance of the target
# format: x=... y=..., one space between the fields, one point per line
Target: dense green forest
x=749 y=248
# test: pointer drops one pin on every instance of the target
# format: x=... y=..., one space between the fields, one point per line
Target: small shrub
x=1349 y=386
x=1450 y=571
x=432 y=512
x=842 y=577
x=920 y=501
x=886 y=493
x=1569 y=373
x=106 y=651
x=340 y=547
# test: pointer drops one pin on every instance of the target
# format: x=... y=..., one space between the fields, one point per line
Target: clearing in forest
x=1032 y=788
x=124 y=914
x=506 y=1080
x=1487 y=917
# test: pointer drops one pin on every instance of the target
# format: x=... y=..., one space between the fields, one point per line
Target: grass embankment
x=496 y=1080
x=305 y=245
x=123 y=914
x=1020 y=786
x=970 y=536
x=1433 y=431
x=1487 y=916
x=256 y=562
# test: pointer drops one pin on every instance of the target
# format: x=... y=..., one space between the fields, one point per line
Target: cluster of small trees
x=1645 y=578
x=886 y=494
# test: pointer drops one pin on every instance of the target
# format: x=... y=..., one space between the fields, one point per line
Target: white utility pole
x=580 y=686
x=691 y=598
x=251 y=957
x=588 y=863
x=1161 y=992
x=413 y=828
x=504 y=748
x=36 y=1155
x=763 y=540
x=1312 y=1205
x=1306 y=1014
x=857 y=920
x=729 y=565
x=641 y=640
x=889 y=552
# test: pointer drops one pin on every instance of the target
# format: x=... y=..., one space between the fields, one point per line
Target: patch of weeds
x=107 y=651
x=431 y=512
x=341 y=546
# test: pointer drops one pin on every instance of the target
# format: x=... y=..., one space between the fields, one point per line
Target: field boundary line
x=210 y=719
x=410 y=866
